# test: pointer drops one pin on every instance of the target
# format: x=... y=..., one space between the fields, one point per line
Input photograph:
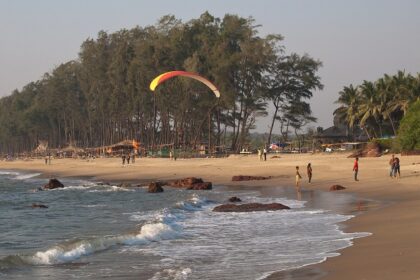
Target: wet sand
x=389 y=253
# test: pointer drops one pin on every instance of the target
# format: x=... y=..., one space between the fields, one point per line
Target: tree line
x=378 y=107
x=103 y=96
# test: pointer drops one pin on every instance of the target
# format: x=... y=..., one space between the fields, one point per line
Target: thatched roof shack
x=42 y=147
x=72 y=149
x=123 y=146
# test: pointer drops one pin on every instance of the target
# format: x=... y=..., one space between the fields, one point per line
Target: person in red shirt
x=356 y=168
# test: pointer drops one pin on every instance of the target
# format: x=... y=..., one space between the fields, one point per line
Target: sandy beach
x=389 y=253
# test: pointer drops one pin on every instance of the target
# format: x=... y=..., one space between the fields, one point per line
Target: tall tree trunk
x=272 y=124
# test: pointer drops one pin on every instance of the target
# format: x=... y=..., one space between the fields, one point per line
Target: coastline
x=388 y=252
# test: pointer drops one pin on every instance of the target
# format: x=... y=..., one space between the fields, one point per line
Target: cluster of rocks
x=249 y=178
x=250 y=207
x=155 y=187
x=371 y=150
x=53 y=184
x=189 y=183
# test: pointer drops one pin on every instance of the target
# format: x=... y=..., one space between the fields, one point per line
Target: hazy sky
x=355 y=40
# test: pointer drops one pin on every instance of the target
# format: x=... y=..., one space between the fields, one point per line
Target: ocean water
x=91 y=231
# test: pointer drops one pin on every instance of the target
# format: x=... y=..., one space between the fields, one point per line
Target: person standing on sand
x=259 y=154
x=396 y=172
x=309 y=172
x=265 y=154
x=298 y=177
x=356 y=168
x=391 y=166
x=128 y=158
x=123 y=159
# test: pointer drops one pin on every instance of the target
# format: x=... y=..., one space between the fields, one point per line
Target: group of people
x=394 y=167
x=262 y=154
x=394 y=171
x=299 y=177
x=126 y=158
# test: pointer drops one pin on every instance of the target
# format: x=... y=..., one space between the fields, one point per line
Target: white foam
x=173 y=274
x=265 y=241
x=26 y=176
x=9 y=173
x=163 y=229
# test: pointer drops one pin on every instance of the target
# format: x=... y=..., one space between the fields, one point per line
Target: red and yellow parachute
x=165 y=76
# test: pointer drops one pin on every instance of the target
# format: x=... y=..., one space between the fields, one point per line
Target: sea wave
x=163 y=228
x=26 y=176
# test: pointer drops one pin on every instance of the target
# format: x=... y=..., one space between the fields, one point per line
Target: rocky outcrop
x=250 y=207
x=155 y=187
x=36 y=205
x=234 y=199
x=249 y=178
x=125 y=185
x=191 y=183
x=372 y=149
x=185 y=182
x=201 y=186
x=336 y=188
x=53 y=184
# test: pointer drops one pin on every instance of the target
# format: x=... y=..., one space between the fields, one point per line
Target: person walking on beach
x=46 y=160
x=298 y=178
x=397 y=173
x=391 y=166
x=265 y=154
x=123 y=159
x=356 y=168
x=128 y=158
x=259 y=154
x=309 y=172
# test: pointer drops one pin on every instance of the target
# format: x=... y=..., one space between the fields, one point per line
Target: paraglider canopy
x=165 y=76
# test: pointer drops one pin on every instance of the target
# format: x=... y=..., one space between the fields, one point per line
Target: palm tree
x=370 y=106
x=383 y=88
x=349 y=109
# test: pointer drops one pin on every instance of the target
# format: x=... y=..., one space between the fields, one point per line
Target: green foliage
x=103 y=97
x=409 y=131
x=378 y=107
x=385 y=144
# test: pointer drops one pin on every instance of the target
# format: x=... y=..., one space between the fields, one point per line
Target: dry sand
x=391 y=251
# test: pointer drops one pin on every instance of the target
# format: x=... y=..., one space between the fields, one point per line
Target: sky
x=355 y=40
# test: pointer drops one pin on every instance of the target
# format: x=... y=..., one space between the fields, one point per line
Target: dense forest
x=378 y=107
x=103 y=96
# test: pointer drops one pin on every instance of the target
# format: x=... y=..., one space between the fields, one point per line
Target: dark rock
x=250 y=207
x=186 y=182
x=36 y=205
x=190 y=183
x=337 y=188
x=249 y=178
x=124 y=185
x=53 y=184
x=234 y=199
x=200 y=186
x=155 y=187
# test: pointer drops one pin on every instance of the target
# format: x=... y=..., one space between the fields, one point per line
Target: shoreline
x=392 y=224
